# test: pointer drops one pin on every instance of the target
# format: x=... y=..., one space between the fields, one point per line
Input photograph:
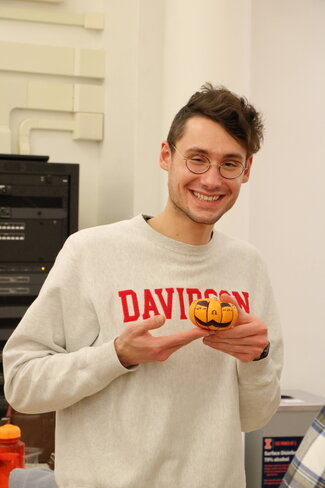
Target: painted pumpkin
x=213 y=314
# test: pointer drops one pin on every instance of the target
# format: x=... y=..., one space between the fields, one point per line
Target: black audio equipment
x=38 y=211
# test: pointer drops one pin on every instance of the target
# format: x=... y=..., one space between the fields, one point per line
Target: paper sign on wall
x=277 y=455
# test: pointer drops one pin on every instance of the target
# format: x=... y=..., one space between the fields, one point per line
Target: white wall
x=287 y=190
x=59 y=145
x=130 y=176
x=206 y=41
x=273 y=52
x=158 y=53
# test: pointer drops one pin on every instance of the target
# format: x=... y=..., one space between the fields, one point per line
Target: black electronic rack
x=38 y=210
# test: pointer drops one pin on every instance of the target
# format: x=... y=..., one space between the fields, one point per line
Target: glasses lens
x=199 y=164
x=231 y=169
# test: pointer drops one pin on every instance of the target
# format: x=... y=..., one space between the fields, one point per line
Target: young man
x=143 y=398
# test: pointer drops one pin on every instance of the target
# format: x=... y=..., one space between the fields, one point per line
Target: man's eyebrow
x=204 y=151
x=234 y=155
x=197 y=149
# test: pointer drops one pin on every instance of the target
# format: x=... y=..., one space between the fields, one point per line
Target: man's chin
x=204 y=220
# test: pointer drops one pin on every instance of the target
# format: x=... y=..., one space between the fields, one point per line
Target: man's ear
x=247 y=171
x=165 y=156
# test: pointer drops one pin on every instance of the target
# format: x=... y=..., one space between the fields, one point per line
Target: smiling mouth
x=206 y=198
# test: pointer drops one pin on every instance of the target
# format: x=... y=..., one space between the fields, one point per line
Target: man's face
x=203 y=198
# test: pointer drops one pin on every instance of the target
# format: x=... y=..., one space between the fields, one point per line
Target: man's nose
x=212 y=177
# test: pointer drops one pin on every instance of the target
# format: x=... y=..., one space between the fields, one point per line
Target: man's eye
x=198 y=159
x=231 y=164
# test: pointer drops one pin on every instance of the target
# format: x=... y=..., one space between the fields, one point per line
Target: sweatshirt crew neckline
x=169 y=243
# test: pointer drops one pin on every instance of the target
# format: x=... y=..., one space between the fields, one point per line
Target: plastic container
x=32 y=456
x=12 y=452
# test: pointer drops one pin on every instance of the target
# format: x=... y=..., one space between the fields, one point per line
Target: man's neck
x=181 y=229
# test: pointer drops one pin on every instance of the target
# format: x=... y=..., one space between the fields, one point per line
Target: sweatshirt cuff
x=105 y=364
x=255 y=372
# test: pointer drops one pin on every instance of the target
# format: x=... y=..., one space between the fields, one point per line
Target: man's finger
x=224 y=297
x=151 y=323
x=183 y=338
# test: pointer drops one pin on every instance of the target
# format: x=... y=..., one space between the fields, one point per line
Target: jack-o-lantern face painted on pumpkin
x=212 y=314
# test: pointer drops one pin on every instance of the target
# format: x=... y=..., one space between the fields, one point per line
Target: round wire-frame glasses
x=199 y=164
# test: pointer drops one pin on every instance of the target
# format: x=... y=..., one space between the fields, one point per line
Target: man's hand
x=136 y=345
x=245 y=341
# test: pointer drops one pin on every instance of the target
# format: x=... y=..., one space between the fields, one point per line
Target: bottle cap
x=9 y=431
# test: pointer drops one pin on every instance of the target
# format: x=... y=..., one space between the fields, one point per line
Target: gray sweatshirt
x=175 y=423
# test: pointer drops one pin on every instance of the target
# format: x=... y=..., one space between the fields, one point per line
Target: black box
x=38 y=211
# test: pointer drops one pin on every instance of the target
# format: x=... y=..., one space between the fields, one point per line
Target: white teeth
x=206 y=198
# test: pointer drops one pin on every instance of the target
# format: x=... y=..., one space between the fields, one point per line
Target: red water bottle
x=12 y=452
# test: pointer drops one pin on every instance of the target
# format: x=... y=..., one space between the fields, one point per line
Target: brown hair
x=232 y=112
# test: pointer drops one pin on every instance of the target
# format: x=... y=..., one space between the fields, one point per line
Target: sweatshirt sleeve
x=52 y=359
x=259 y=381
